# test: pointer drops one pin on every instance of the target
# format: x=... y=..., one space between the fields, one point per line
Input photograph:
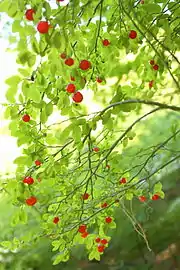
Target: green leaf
x=129 y=196
x=56 y=41
x=77 y=133
x=92 y=255
x=23 y=216
x=24 y=160
x=59 y=258
x=49 y=108
x=157 y=187
x=33 y=92
x=43 y=117
x=97 y=256
x=6 y=244
x=13 y=81
x=152 y=8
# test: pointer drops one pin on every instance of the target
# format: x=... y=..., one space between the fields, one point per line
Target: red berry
x=31 y=201
x=108 y=219
x=69 y=62
x=71 y=88
x=84 y=65
x=28 y=180
x=104 y=205
x=82 y=228
x=29 y=14
x=142 y=198
x=77 y=97
x=123 y=181
x=155 y=67
x=43 y=27
x=100 y=248
x=132 y=34
x=97 y=240
x=152 y=62
x=106 y=42
x=99 y=80
x=55 y=220
x=26 y=118
x=108 y=166
x=142 y=1
x=151 y=84
x=85 y=196
x=63 y=55
x=84 y=235
x=155 y=197
x=96 y=149
x=38 y=162
x=104 y=241
x=72 y=78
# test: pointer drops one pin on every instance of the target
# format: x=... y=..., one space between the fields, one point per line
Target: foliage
x=83 y=158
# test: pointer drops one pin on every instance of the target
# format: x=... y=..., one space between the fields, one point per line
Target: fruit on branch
x=72 y=78
x=56 y=220
x=31 y=201
x=151 y=84
x=142 y=198
x=82 y=228
x=69 y=62
x=155 y=197
x=77 y=97
x=63 y=55
x=100 y=248
x=28 y=180
x=71 y=88
x=132 y=34
x=106 y=42
x=96 y=149
x=99 y=80
x=156 y=67
x=38 y=162
x=43 y=27
x=108 y=219
x=84 y=235
x=122 y=181
x=142 y=1
x=84 y=65
x=152 y=62
x=97 y=240
x=85 y=196
x=104 y=241
x=29 y=14
x=26 y=118
x=107 y=166
x=104 y=205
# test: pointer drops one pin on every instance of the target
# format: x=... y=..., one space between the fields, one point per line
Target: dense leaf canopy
x=79 y=163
